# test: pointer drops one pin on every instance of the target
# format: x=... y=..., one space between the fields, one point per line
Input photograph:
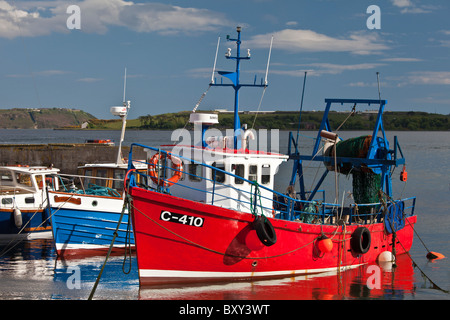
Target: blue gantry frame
x=379 y=158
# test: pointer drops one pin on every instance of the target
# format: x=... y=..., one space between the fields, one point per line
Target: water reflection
x=117 y=275
x=27 y=258
x=33 y=271
x=395 y=283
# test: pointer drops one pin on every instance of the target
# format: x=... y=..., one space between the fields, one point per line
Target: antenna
x=378 y=81
x=268 y=61
x=122 y=112
x=124 y=84
x=301 y=107
x=215 y=60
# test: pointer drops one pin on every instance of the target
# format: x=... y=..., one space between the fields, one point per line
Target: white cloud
x=445 y=43
x=318 y=69
x=150 y=17
x=291 y=23
x=422 y=78
x=45 y=73
x=51 y=72
x=416 y=10
x=89 y=80
x=401 y=59
x=408 y=7
x=433 y=100
x=30 y=19
x=361 y=84
x=311 y=41
x=16 y=22
x=401 y=3
x=429 y=77
x=330 y=68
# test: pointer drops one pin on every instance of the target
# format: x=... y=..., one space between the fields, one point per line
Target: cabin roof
x=31 y=170
x=229 y=152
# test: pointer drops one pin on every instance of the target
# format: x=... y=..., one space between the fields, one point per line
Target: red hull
x=350 y=284
x=216 y=244
x=86 y=253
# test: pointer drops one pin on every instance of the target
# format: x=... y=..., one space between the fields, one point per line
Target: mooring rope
x=421 y=271
x=219 y=252
x=409 y=255
x=126 y=203
x=127 y=247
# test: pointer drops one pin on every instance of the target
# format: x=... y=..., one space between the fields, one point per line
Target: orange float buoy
x=403 y=175
x=435 y=255
x=325 y=244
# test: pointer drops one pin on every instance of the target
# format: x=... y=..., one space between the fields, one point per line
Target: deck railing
x=72 y=183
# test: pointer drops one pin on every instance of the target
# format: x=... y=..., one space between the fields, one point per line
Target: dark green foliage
x=285 y=120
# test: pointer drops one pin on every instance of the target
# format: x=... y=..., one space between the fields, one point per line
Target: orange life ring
x=177 y=168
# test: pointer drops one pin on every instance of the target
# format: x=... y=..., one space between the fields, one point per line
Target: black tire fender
x=265 y=231
x=360 y=240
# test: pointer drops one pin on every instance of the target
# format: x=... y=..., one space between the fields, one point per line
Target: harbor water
x=30 y=269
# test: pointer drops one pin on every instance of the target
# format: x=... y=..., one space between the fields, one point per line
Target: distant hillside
x=31 y=118
x=284 y=120
x=287 y=120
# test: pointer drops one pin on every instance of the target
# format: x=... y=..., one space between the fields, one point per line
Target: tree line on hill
x=310 y=120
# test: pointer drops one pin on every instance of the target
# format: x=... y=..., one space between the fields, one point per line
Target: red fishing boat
x=209 y=211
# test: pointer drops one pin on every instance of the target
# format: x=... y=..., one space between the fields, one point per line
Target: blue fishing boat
x=86 y=209
x=84 y=219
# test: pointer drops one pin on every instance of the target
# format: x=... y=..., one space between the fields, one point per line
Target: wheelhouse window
x=118 y=174
x=253 y=173
x=88 y=173
x=265 y=174
x=24 y=179
x=218 y=175
x=195 y=172
x=101 y=173
x=6 y=178
x=239 y=170
x=39 y=181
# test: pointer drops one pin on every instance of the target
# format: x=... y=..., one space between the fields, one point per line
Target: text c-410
x=181 y=218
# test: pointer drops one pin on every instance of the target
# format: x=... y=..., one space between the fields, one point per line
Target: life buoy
x=360 y=240
x=265 y=231
x=177 y=168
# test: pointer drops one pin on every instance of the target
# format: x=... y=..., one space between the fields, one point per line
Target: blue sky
x=168 y=49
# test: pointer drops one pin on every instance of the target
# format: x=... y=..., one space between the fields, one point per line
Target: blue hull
x=34 y=224
x=88 y=232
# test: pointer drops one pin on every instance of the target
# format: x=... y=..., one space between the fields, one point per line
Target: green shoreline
x=70 y=119
x=283 y=120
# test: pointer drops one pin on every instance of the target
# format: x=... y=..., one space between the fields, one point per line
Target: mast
x=122 y=112
x=236 y=85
